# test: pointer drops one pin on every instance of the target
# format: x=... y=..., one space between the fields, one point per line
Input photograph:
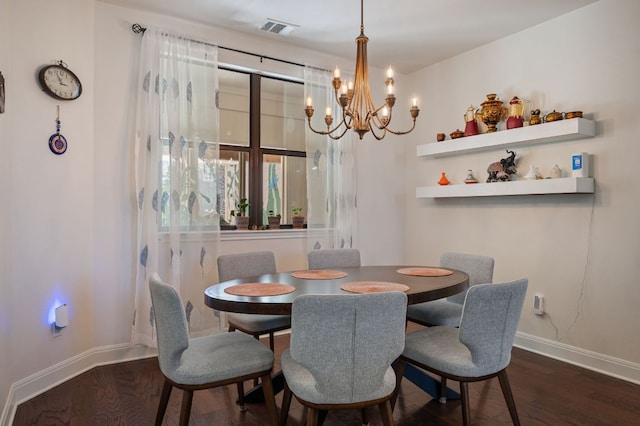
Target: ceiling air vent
x=278 y=27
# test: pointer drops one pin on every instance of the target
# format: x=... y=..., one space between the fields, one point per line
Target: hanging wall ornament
x=57 y=142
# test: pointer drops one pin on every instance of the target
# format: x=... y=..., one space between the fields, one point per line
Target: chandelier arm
x=335 y=138
x=393 y=132
x=328 y=131
x=384 y=132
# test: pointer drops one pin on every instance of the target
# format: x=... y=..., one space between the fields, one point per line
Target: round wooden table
x=421 y=288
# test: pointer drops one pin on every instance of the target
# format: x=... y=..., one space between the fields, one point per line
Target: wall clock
x=60 y=82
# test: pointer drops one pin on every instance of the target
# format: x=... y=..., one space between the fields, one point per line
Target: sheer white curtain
x=176 y=176
x=331 y=172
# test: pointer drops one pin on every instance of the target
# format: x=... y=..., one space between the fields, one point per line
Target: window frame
x=254 y=150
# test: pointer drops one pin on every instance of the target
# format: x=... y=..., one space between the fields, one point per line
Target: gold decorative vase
x=492 y=112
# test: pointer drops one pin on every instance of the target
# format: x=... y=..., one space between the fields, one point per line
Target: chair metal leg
x=286 y=404
x=464 y=395
x=508 y=397
x=269 y=398
x=164 y=400
x=386 y=414
x=185 y=411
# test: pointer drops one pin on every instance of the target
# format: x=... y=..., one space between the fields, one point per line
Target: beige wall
x=579 y=251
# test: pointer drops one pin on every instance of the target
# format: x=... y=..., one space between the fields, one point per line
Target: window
x=262 y=145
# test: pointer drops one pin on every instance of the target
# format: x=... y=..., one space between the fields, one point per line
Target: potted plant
x=297 y=219
x=242 y=221
x=274 y=220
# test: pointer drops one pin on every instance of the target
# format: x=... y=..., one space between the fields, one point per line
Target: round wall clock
x=60 y=82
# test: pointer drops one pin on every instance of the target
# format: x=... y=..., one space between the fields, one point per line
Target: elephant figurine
x=501 y=171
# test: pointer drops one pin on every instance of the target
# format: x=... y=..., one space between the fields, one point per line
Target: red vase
x=516 y=113
x=471 y=128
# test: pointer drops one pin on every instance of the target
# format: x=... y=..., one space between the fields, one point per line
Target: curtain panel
x=331 y=172
x=176 y=177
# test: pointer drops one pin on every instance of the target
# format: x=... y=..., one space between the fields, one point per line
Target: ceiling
x=408 y=34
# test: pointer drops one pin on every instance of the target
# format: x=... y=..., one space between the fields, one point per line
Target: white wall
x=579 y=251
x=69 y=233
x=5 y=227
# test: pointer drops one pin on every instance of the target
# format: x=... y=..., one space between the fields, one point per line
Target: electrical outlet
x=538 y=304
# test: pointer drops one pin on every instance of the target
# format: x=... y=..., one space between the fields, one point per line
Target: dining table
x=274 y=294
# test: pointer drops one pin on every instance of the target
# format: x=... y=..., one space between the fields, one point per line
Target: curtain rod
x=139 y=29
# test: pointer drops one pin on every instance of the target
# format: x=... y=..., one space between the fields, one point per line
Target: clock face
x=60 y=82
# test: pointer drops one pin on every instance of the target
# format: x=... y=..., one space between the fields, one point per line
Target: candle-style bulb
x=336 y=73
x=309 y=103
x=328 y=111
x=389 y=72
x=414 y=102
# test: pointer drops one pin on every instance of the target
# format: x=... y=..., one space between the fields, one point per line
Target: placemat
x=319 y=274
x=259 y=289
x=372 y=287
x=425 y=272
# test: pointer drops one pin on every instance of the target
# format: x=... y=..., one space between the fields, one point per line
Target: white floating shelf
x=561 y=130
x=569 y=185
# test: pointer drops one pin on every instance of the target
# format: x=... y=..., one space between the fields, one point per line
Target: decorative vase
x=492 y=112
x=517 y=107
x=471 y=125
x=443 y=180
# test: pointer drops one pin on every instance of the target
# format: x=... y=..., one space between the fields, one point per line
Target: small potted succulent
x=297 y=219
x=242 y=221
x=274 y=220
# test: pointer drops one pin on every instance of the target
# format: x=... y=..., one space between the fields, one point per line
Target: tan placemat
x=372 y=287
x=425 y=272
x=319 y=274
x=259 y=289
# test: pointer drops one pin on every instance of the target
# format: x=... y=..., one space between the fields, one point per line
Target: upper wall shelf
x=561 y=130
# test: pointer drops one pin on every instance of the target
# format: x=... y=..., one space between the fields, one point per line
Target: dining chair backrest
x=478 y=267
x=333 y=258
x=243 y=265
x=348 y=342
x=171 y=325
x=489 y=323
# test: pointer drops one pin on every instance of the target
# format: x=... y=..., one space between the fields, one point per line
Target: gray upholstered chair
x=341 y=351
x=203 y=362
x=448 y=311
x=479 y=350
x=243 y=265
x=333 y=258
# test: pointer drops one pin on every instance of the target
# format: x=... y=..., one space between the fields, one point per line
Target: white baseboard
x=37 y=383
x=614 y=367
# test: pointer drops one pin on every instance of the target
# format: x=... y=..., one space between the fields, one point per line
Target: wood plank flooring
x=546 y=391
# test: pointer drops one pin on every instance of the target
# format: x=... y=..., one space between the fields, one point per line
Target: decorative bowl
x=573 y=114
x=457 y=134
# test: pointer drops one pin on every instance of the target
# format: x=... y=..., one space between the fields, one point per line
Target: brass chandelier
x=358 y=110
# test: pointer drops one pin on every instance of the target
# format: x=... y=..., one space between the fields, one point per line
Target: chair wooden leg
x=386 y=414
x=464 y=396
x=269 y=398
x=363 y=414
x=185 y=410
x=241 y=403
x=508 y=396
x=164 y=400
x=398 y=368
x=286 y=404
x=312 y=417
x=271 y=341
x=443 y=390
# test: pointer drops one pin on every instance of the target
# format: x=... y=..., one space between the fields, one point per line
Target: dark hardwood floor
x=547 y=392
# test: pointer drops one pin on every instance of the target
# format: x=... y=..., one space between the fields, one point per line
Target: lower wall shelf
x=569 y=185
